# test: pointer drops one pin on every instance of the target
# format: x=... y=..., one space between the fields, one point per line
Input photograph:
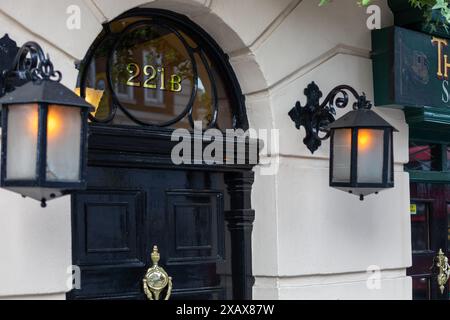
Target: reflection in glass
x=153 y=77
x=152 y=65
x=420 y=226
x=448 y=225
x=424 y=157
x=421 y=288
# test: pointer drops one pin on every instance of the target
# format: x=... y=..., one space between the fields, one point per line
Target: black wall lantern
x=44 y=126
x=361 y=149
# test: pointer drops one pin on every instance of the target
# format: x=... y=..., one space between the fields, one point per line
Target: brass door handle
x=156 y=279
x=444 y=270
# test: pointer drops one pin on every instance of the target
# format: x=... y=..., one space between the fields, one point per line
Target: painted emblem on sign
x=419 y=67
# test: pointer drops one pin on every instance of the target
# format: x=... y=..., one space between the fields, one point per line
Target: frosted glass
x=370 y=156
x=342 y=150
x=21 y=151
x=63 y=144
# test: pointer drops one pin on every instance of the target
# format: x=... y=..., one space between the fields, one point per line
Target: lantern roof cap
x=44 y=91
x=364 y=118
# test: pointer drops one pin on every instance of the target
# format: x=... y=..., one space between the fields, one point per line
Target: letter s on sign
x=445 y=96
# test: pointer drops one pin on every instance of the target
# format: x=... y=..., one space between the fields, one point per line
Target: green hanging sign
x=411 y=69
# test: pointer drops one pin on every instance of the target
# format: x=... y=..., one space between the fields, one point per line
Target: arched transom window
x=158 y=69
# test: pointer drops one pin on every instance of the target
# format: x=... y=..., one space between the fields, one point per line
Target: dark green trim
x=383 y=65
x=429 y=177
x=429 y=133
x=433 y=115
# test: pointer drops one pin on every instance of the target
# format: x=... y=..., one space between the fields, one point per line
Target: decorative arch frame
x=207 y=44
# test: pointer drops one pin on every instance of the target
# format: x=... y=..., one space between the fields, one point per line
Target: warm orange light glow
x=93 y=96
x=54 y=121
x=33 y=121
x=365 y=139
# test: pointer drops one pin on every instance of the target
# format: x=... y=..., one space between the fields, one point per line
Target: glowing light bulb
x=54 y=121
x=364 y=139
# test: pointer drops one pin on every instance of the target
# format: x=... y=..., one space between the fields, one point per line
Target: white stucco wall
x=35 y=243
x=310 y=241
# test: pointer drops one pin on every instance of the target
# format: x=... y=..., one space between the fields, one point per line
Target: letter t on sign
x=440 y=43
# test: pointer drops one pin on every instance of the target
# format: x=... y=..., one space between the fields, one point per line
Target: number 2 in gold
x=151 y=72
x=135 y=71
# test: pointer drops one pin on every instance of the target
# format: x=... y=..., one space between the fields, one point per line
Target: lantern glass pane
x=342 y=150
x=21 y=158
x=63 y=143
x=370 y=155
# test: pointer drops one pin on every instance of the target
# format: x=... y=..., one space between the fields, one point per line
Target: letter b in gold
x=175 y=83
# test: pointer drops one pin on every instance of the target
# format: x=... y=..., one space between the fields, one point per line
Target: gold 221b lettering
x=151 y=78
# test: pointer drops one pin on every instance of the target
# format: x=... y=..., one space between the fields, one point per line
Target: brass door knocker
x=156 y=279
x=444 y=270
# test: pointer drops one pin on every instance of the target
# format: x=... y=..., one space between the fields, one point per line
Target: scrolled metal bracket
x=20 y=65
x=315 y=117
x=8 y=52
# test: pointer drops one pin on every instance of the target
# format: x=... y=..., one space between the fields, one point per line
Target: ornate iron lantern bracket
x=8 y=52
x=315 y=117
x=29 y=64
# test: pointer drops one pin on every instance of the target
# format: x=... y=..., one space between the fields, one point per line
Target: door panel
x=125 y=212
x=203 y=213
x=429 y=231
x=108 y=225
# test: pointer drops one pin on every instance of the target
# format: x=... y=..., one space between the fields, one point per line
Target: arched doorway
x=151 y=72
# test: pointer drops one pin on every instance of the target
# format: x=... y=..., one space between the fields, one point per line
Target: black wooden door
x=430 y=218
x=199 y=216
x=126 y=211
